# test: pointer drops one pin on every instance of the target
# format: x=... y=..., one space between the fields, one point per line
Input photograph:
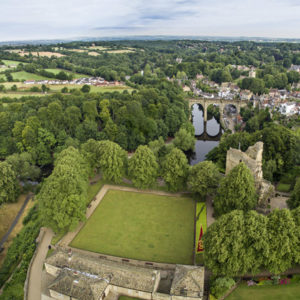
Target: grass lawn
x=283 y=187
x=75 y=75
x=24 y=89
x=22 y=75
x=20 y=95
x=141 y=226
x=269 y=292
x=94 y=189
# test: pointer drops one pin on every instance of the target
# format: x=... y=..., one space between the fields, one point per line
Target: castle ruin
x=253 y=160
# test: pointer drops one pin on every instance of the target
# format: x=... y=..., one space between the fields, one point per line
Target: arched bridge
x=206 y=102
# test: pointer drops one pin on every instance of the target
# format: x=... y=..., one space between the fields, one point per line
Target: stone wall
x=252 y=159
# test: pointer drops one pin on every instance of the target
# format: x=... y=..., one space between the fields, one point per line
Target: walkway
x=35 y=275
x=66 y=240
x=5 y=237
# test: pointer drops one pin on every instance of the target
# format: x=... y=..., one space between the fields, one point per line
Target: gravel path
x=35 y=277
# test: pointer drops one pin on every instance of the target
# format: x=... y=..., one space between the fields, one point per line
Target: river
x=202 y=147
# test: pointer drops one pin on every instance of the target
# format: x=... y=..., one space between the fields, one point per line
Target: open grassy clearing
x=270 y=292
x=12 y=62
x=22 y=75
x=24 y=89
x=20 y=95
x=141 y=226
x=75 y=75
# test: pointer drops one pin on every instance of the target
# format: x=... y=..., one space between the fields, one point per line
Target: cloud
x=43 y=19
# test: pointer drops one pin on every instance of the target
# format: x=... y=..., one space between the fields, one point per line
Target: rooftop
x=188 y=281
x=119 y=274
x=78 y=286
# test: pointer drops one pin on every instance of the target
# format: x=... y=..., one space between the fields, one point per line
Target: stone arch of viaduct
x=220 y=102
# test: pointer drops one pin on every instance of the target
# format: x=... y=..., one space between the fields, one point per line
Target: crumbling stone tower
x=253 y=160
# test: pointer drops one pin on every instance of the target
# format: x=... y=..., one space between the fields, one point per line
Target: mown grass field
x=12 y=62
x=75 y=75
x=22 y=75
x=141 y=226
x=270 y=292
x=20 y=95
x=24 y=89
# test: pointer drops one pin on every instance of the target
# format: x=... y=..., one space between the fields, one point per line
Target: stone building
x=77 y=276
x=253 y=160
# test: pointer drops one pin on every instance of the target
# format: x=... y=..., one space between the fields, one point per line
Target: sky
x=57 y=19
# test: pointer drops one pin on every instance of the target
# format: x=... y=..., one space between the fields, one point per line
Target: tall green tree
x=9 y=186
x=203 y=178
x=296 y=217
x=283 y=241
x=112 y=161
x=90 y=151
x=224 y=250
x=175 y=170
x=63 y=196
x=294 y=200
x=142 y=167
x=237 y=243
x=236 y=191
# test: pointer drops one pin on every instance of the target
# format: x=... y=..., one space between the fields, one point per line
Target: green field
x=11 y=62
x=141 y=226
x=22 y=75
x=24 y=89
x=269 y=292
x=75 y=75
x=20 y=95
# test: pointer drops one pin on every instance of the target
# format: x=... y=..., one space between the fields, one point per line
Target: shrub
x=221 y=285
